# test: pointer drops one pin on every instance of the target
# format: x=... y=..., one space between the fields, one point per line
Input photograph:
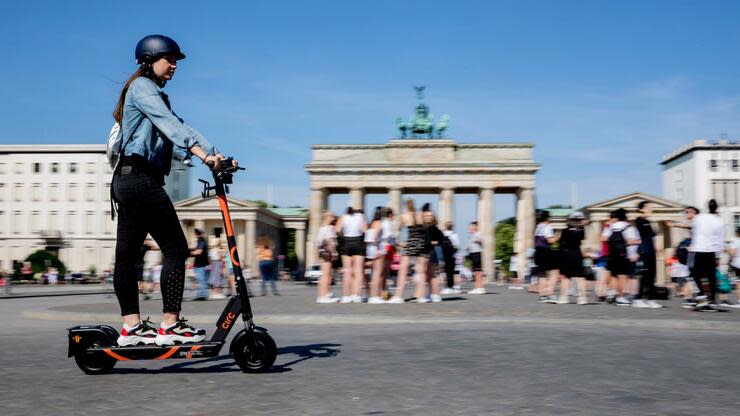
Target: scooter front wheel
x=254 y=360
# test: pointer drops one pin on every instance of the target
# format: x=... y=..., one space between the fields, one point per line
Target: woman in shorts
x=411 y=248
x=352 y=225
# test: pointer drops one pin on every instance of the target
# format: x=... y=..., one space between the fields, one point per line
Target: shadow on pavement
x=225 y=364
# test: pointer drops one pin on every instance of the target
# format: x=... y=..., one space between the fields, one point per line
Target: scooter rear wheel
x=259 y=359
x=95 y=364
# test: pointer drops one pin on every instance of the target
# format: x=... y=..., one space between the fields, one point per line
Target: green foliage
x=263 y=204
x=291 y=259
x=40 y=258
x=505 y=231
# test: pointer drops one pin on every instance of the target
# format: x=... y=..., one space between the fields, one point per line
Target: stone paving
x=501 y=353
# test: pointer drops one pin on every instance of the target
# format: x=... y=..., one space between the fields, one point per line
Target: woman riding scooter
x=152 y=132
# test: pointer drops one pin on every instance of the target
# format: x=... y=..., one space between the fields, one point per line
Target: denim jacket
x=159 y=131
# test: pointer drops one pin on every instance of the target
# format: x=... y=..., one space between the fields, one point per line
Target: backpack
x=682 y=251
x=116 y=144
x=723 y=283
x=617 y=244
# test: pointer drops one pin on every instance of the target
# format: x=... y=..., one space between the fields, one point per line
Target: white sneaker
x=582 y=301
x=639 y=303
x=327 y=299
x=217 y=296
x=623 y=301
x=375 y=300
x=653 y=304
x=564 y=300
x=421 y=300
x=458 y=289
x=357 y=299
x=447 y=291
x=435 y=298
x=478 y=291
x=736 y=304
x=396 y=300
x=516 y=287
x=346 y=299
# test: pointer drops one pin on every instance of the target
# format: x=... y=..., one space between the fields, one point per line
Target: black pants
x=144 y=208
x=647 y=280
x=704 y=272
x=450 y=267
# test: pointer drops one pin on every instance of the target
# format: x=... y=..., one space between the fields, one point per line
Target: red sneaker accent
x=161 y=331
x=124 y=332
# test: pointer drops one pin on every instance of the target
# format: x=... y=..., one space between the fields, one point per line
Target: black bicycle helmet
x=153 y=46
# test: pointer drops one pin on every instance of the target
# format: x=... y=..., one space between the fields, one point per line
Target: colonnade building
x=428 y=166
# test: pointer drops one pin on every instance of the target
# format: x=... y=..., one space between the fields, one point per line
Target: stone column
x=659 y=240
x=524 y=227
x=446 y=206
x=485 y=227
x=394 y=200
x=250 y=254
x=300 y=246
x=317 y=205
x=594 y=235
x=240 y=232
x=357 y=198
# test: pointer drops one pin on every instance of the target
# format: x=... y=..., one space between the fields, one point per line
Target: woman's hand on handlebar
x=213 y=161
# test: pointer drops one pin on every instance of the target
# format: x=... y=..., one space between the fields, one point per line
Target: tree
x=505 y=231
x=41 y=259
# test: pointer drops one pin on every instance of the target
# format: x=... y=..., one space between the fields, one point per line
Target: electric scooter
x=95 y=349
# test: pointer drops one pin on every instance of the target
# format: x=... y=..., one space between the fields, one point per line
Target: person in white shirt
x=326 y=243
x=352 y=225
x=734 y=251
x=548 y=270
x=623 y=240
x=707 y=241
x=449 y=250
x=475 y=247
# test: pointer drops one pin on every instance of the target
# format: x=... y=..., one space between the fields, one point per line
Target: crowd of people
x=623 y=272
x=562 y=271
x=412 y=245
x=212 y=272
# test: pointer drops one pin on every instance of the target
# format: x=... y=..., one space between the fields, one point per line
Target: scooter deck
x=155 y=352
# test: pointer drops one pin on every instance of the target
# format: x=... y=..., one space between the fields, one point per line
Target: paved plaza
x=501 y=353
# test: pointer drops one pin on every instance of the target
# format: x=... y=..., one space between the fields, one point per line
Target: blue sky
x=604 y=89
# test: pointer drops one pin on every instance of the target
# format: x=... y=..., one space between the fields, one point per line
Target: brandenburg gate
x=427 y=165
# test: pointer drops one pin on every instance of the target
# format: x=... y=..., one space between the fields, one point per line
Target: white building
x=58 y=197
x=702 y=170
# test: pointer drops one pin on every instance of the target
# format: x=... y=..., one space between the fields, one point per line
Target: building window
x=72 y=192
x=3 y=169
x=90 y=167
x=73 y=167
x=736 y=221
x=53 y=224
x=90 y=192
x=71 y=226
x=89 y=222
x=713 y=165
x=54 y=192
x=35 y=222
x=17 y=225
x=18 y=191
x=2 y=192
x=55 y=168
x=2 y=222
x=19 y=168
x=735 y=165
x=37 y=167
x=36 y=192
x=109 y=223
